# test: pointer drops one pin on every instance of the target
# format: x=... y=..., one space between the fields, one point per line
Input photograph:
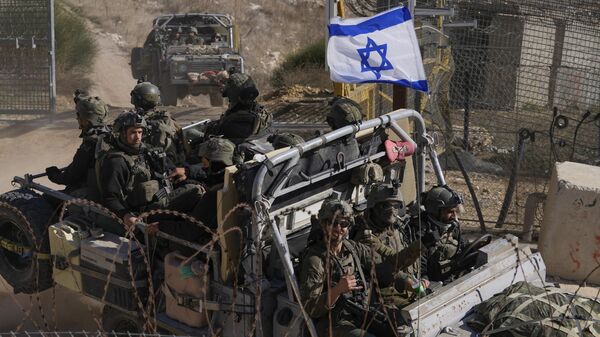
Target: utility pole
x=51 y=60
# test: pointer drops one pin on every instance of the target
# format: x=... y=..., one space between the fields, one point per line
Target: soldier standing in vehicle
x=333 y=287
x=91 y=114
x=442 y=207
x=132 y=179
x=245 y=118
x=381 y=227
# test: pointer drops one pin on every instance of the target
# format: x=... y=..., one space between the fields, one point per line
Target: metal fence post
x=51 y=59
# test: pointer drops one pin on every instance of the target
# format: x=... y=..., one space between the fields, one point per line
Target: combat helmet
x=91 y=109
x=219 y=150
x=441 y=197
x=333 y=208
x=240 y=88
x=280 y=140
x=344 y=111
x=127 y=120
x=145 y=95
x=193 y=30
x=383 y=192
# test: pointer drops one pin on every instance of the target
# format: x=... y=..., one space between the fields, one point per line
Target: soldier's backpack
x=526 y=310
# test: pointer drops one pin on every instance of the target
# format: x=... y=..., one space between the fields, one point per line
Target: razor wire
x=24 y=57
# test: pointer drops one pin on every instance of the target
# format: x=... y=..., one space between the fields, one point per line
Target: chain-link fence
x=514 y=88
x=25 y=46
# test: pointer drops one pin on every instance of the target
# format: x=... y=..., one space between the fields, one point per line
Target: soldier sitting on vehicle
x=245 y=118
x=91 y=114
x=442 y=207
x=333 y=287
x=133 y=178
x=382 y=227
x=193 y=38
x=163 y=131
x=176 y=38
x=216 y=155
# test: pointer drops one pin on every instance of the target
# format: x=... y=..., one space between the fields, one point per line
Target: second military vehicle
x=186 y=54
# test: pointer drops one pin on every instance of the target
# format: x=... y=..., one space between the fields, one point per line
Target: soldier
x=442 y=207
x=91 y=114
x=245 y=118
x=193 y=37
x=381 y=227
x=134 y=179
x=333 y=287
x=163 y=131
x=216 y=155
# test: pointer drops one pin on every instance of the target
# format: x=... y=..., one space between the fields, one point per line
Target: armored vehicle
x=241 y=278
x=185 y=54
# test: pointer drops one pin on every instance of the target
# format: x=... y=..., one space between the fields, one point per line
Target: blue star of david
x=365 y=54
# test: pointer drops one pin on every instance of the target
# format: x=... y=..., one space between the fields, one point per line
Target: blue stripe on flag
x=417 y=85
x=379 y=22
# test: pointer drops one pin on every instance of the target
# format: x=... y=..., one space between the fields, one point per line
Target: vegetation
x=305 y=66
x=75 y=49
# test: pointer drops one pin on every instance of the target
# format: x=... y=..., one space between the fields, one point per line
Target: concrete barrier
x=570 y=234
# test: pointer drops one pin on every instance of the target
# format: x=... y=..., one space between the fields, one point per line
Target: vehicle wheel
x=168 y=92
x=117 y=321
x=24 y=220
x=182 y=91
x=216 y=99
x=136 y=63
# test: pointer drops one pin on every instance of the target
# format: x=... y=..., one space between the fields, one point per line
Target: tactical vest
x=141 y=188
x=165 y=134
x=245 y=122
x=348 y=264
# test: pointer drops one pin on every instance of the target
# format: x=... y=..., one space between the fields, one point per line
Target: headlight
x=182 y=68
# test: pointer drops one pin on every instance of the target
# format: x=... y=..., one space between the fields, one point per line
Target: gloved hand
x=53 y=172
x=430 y=238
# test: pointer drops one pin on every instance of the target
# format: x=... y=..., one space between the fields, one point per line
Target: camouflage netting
x=526 y=310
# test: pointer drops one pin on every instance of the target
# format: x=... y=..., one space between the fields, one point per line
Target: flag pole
x=339 y=89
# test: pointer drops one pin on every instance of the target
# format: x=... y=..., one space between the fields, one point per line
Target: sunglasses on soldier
x=344 y=223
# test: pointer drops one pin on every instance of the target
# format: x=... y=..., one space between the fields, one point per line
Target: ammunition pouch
x=143 y=193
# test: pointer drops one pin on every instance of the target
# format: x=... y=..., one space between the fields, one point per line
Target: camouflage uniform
x=131 y=179
x=319 y=266
x=386 y=238
x=163 y=131
x=438 y=261
x=220 y=153
x=91 y=112
x=193 y=37
x=245 y=118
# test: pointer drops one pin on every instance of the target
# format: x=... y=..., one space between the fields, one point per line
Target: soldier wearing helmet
x=192 y=37
x=382 y=227
x=163 y=131
x=132 y=180
x=332 y=278
x=91 y=115
x=442 y=207
x=245 y=118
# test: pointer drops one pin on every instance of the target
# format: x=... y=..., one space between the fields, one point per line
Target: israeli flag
x=382 y=48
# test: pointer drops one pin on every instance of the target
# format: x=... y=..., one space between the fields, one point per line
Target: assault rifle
x=160 y=168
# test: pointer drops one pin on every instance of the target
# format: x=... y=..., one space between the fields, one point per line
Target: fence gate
x=27 y=77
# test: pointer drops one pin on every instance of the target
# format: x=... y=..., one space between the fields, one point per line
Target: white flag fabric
x=381 y=48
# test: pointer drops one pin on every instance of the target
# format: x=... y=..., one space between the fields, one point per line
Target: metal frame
x=264 y=198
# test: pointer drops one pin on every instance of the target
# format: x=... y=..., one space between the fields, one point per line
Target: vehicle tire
x=24 y=220
x=168 y=92
x=136 y=63
x=216 y=99
x=114 y=320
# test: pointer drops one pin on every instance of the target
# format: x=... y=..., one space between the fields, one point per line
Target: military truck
x=183 y=65
x=241 y=280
